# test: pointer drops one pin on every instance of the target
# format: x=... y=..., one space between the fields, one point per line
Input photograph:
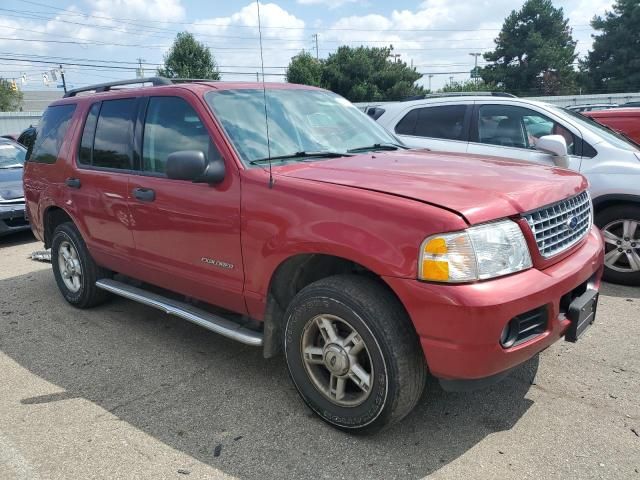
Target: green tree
x=613 y=64
x=189 y=58
x=360 y=74
x=534 y=52
x=305 y=69
x=365 y=74
x=10 y=96
x=470 y=86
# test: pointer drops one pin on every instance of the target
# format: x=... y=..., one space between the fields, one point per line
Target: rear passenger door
x=187 y=234
x=443 y=127
x=98 y=185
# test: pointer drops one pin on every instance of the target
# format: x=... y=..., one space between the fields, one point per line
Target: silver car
x=541 y=133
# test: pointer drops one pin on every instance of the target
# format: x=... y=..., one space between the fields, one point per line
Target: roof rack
x=105 y=87
x=459 y=94
x=155 y=81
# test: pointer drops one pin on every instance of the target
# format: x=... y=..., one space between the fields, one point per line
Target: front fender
x=379 y=232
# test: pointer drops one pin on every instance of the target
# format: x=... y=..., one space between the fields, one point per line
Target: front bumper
x=460 y=325
x=12 y=218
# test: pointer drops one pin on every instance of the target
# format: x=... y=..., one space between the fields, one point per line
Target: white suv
x=540 y=133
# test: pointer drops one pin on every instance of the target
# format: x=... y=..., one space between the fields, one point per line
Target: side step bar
x=205 y=319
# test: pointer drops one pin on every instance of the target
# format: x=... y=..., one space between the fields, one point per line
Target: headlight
x=477 y=253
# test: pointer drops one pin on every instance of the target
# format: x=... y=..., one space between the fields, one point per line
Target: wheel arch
x=616 y=199
x=292 y=275
x=52 y=217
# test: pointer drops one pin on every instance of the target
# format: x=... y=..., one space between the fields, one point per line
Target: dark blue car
x=12 y=212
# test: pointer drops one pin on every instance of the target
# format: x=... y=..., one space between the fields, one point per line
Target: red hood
x=477 y=187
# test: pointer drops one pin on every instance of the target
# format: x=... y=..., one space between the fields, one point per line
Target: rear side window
x=113 y=138
x=445 y=121
x=86 y=144
x=50 y=133
x=171 y=125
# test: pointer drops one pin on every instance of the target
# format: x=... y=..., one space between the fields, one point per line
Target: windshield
x=299 y=121
x=11 y=156
x=610 y=136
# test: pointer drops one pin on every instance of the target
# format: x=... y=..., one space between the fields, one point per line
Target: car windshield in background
x=11 y=156
x=609 y=135
x=300 y=121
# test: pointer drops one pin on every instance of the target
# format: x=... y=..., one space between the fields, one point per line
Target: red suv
x=623 y=120
x=366 y=263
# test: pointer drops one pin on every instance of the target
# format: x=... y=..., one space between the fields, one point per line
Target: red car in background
x=623 y=120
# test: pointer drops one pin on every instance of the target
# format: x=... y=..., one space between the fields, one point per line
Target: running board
x=205 y=319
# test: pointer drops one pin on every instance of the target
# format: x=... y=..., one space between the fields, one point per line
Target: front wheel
x=620 y=227
x=353 y=354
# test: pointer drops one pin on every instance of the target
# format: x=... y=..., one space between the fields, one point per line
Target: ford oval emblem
x=572 y=223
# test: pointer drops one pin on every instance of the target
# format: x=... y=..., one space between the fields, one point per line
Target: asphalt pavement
x=123 y=391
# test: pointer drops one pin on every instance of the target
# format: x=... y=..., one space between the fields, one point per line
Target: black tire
x=606 y=219
x=393 y=351
x=88 y=294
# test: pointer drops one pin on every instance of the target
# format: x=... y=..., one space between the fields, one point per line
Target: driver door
x=187 y=235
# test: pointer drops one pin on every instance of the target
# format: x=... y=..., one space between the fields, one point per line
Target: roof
x=465 y=100
x=614 y=112
x=141 y=85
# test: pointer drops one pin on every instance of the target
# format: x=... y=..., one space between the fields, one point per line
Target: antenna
x=264 y=95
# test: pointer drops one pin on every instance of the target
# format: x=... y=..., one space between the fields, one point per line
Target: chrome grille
x=559 y=226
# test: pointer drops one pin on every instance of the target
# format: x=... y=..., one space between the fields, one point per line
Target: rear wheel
x=620 y=227
x=74 y=269
x=353 y=354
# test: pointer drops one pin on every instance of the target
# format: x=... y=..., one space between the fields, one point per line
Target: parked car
x=623 y=120
x=591 y=107
x=539 y=133
x=366 y=263
x=12 y=212
x=27 y=137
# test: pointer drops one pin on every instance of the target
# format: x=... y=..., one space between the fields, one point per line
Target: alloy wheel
x=70 y=267
x=622 y=245
x=337 y=360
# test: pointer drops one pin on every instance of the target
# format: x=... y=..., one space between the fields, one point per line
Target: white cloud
x=242 y=47
x=331 y=4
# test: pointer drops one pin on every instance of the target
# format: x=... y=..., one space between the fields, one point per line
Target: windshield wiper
x=378 y=146
x=291 y=156
x=14 y=165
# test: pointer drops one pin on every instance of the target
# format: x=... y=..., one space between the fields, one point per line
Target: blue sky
x=101 y=40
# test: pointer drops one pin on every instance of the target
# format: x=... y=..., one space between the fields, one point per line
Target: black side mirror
x=192 y=165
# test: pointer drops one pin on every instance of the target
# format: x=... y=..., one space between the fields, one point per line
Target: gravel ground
x=123 y=391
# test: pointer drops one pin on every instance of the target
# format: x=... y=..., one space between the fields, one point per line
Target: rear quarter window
x=50 y=133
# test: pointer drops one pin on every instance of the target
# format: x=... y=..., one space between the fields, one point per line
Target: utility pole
x=257 y=76
x=64 y=83
x=430 y=77
x=140 y=72
x=451 y=81
x=475 y=67
x=395 y=56
x=315 y=39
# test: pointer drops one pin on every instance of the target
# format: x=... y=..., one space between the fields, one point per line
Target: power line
x=214 y=47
